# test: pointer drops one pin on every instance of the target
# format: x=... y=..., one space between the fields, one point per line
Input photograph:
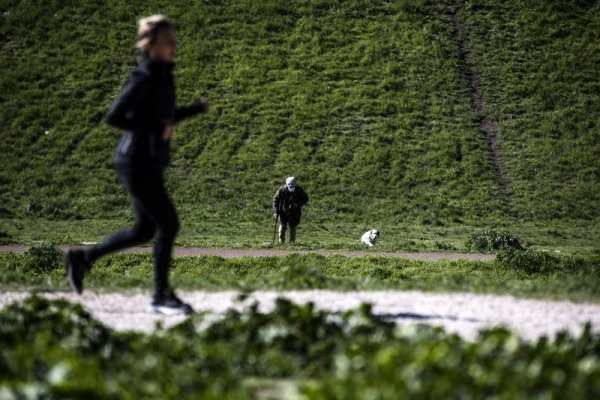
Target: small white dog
x=370 y=237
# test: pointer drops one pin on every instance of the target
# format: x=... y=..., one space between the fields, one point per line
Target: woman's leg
x=161 y=211
x=164 y=215
x=141 y=232
x=143 y=228
x=79 y=261
x=157 y=210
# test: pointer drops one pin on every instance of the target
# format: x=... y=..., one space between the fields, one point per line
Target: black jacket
x=146 y=104
x=286 y=202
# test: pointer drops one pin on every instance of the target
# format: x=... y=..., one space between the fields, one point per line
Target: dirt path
x=464 y=314
x=196 y=251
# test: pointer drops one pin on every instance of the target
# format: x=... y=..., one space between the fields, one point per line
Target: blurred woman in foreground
x=145 y=111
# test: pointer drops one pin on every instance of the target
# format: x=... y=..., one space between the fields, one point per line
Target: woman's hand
x=203 y=106
x=168 y=132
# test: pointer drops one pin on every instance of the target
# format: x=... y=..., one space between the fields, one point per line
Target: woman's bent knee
x=142 y=233
x=168 y=230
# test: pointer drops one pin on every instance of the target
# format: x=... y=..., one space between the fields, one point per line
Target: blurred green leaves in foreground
x=54 y=349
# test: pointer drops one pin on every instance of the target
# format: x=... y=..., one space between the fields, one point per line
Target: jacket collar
x=158 y=65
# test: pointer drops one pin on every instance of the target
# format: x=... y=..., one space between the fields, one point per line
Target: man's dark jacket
x=289 y=204
x=145 y=105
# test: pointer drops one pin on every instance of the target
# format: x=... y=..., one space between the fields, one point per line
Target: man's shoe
x=169 y=304
x=76 y=266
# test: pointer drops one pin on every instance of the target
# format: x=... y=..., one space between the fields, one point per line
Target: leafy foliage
x=431 y=364
x=43 y=258
x=5 y=238
x=294 y=340
x=530 y=261
x=510 y=253
x=492 y=241
x=302 y=273
x=56 y=350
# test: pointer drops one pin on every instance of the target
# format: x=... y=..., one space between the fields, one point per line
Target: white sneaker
x=169 y=304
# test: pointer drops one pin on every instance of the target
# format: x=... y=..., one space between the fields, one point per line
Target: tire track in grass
x=487 y=125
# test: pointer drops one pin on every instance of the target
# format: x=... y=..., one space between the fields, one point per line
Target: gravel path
x=198 y=251
x=464 y=314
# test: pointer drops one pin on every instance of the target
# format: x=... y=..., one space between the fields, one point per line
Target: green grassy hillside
x=365 y=102
x=540 y=63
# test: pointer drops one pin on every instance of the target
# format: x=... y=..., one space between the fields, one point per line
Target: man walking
x=287 y=206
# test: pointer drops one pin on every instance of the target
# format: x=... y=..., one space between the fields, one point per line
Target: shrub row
x=54 y=349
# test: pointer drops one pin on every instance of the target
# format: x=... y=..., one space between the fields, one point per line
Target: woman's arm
x=121 y=113
x=201 y=106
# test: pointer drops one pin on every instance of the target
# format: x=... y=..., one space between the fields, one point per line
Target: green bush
x=54 y=349
x=433 y=365
x=43 y=258
x=301 y=273
x=294 y=339
x=5 y=238
x=492 y=241
x=530 y=261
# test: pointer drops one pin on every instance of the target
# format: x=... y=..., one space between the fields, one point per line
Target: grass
x=560 y=236
x=532 y=275
x=365 y=102
x=538 y=63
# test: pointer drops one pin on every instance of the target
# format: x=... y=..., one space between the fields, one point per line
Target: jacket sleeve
x=182 y=113
x=121 y=113
x=276 y=200
x=303 y=199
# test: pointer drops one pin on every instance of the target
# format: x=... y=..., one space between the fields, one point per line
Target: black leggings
x=155 y=217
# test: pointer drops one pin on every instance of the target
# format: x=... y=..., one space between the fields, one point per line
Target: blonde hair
x=148 y=28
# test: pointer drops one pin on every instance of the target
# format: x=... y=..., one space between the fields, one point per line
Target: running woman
x=145 y=111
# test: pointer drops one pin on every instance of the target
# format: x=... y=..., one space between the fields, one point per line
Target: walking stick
x=275 y=230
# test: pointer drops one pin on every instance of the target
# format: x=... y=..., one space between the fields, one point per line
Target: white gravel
x=464 y=314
